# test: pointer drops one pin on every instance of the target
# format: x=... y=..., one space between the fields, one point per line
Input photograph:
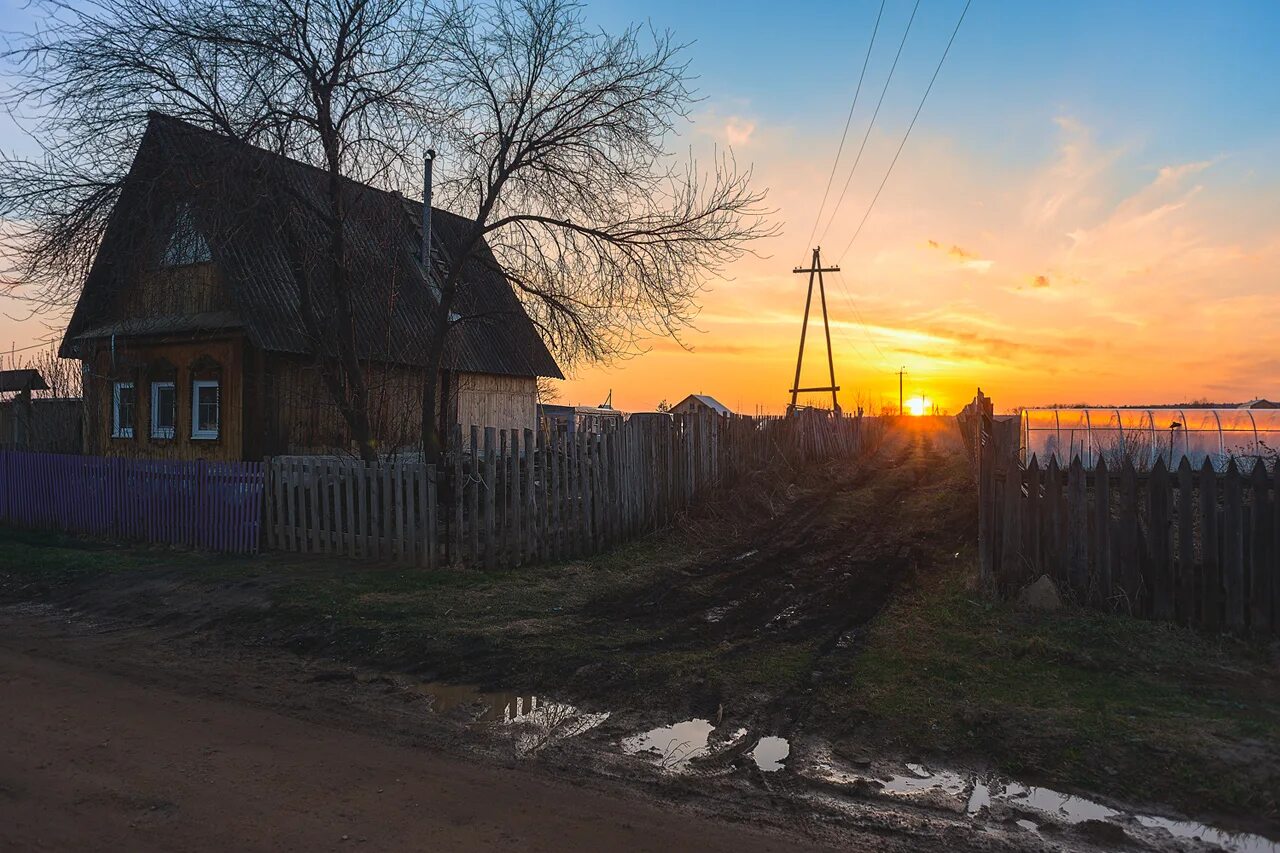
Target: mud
x=742 y=747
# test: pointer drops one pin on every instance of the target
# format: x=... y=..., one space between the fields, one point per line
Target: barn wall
x=503 y=402
x=141 y=362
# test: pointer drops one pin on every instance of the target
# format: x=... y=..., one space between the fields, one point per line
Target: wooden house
x=697 y=404
x=191 y=330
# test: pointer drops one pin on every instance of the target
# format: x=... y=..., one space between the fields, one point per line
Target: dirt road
x=93 y=761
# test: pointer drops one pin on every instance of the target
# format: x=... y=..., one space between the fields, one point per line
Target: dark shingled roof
x=262 y=213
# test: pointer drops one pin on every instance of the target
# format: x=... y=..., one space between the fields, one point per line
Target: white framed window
x=123 y=402
x=205 y=404
x=164 y=409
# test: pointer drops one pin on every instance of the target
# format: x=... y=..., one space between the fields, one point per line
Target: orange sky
x=1085 y=275
x=1087 y=211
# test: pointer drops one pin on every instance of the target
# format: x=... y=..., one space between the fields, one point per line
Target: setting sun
x=918 y=406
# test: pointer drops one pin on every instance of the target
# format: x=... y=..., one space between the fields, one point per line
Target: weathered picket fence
x=216 y=506
x=505 y=498
x=1195 y=545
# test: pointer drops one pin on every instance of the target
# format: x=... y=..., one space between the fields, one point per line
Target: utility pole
x=901 y=373
x=815 y=269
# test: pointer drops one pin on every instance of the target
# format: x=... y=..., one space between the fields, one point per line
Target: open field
x=834 y=610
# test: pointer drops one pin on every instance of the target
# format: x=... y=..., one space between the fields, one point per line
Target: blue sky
x=1192 y=75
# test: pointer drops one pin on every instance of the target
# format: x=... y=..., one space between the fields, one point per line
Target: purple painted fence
x=216 y=506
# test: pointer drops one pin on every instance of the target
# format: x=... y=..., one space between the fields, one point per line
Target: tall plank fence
x=216 y=506
x=1194 y=545
x=505 y=498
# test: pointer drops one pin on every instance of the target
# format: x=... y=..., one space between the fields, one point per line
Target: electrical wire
x=848 y=120
x=863 y=147
x=857 y=315
x=902 y=144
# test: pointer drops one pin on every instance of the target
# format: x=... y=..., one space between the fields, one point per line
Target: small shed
x=696 y=404
x=51 y=425
x=592 y=420
x=22 y=381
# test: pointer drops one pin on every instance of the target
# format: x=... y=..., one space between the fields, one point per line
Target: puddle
x=477 y=705
x=770 y=752
x=674 y=746
x=530 y=723
x=972 y=793
x=1240 y=843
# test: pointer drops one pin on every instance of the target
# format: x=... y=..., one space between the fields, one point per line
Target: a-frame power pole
x=815 y=269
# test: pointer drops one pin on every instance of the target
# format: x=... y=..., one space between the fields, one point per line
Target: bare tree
x=556 y=149
x=338 y=84
x=556 y=141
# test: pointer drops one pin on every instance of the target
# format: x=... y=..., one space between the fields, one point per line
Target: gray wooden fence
x=505 y=498
x=1194 y=545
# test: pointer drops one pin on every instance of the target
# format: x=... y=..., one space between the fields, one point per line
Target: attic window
x=186 y=244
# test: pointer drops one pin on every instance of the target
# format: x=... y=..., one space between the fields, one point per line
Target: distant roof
x=1260 y=403
x=261 y=215
x=25 y=379
x=708 y=401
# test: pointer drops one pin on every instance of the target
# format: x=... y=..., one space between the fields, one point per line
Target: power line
x=894 y=162
x=872 y=123
x=840 y=149
x=857 y=316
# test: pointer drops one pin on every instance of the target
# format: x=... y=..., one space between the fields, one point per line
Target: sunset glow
x=1093 y=230
x=918 y=406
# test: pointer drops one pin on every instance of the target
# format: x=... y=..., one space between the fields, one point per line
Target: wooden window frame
x=119 y=389
x=198 y=434
x=157 y=431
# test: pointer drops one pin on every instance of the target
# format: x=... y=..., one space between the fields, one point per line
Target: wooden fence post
x=1158 y=542
x=1186 y=583
x=1102 y=534
x=1210 y=549
x=1261 y=558
x=1078 y=530
x=1233 y=548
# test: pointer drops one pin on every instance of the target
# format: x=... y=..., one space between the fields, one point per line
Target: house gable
x=260 y=218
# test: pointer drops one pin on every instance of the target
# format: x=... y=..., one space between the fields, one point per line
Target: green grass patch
x=1136 y=709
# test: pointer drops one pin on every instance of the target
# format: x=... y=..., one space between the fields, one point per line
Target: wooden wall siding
x=130 y=364
x=299 y=415
x=501 y=402
x=215 y=506
x=512 y=497
x=1192 y=545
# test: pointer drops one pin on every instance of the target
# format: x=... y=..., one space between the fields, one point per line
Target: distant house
x=696 y=404
x=190 y=324
x=1260 y=403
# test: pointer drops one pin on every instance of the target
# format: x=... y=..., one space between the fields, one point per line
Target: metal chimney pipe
x=426 y=214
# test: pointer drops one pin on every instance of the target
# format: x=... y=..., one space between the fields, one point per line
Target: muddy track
x=817 y=573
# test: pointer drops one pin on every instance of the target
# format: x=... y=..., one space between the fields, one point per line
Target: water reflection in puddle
x=533 y=723
x=770 y=752
x=974 y=794
x=674 y=746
